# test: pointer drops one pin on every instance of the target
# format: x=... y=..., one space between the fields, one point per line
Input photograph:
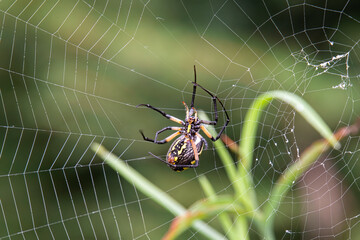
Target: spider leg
x=194 y=89
x=205 y=143
x=208 y=134
x=165 y=140
x=214 y=103
x=222 y=129
x=196 y=154
x=174 y=119
x=214 y=98
x=160 y=159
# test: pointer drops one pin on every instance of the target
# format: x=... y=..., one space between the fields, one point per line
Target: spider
x=185 y=150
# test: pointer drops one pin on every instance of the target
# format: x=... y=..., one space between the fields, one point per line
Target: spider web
x=72 y=73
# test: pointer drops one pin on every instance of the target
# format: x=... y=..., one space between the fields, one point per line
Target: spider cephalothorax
x=185 y=150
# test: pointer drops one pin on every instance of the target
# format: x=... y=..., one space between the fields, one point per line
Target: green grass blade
x=150 y=190
x=224 y=154
x=287 y=180
x=246 y=148
x=240 y=183
x=253 y=115
x=293 y=172
x=241 y=188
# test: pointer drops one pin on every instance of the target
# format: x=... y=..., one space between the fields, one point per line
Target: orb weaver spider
x=185 y=150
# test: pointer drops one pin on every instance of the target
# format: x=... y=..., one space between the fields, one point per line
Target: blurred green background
x=72 y=73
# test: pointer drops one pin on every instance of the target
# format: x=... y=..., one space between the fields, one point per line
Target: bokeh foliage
x=73 y=72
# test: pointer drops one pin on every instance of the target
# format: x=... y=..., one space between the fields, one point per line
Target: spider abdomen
x=181 y=152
